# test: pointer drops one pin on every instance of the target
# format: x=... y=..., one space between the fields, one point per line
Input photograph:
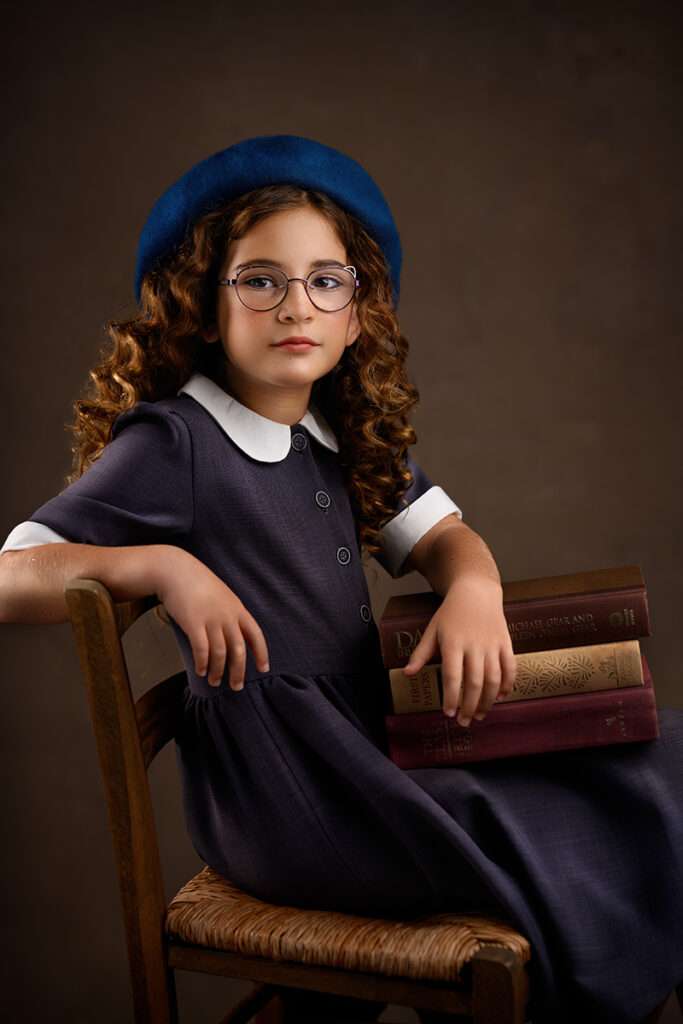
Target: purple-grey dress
x=288 y=789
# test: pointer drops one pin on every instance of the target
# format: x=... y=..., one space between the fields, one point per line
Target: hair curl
x=366 y=397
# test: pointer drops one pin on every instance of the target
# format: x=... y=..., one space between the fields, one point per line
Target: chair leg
x=500 y=986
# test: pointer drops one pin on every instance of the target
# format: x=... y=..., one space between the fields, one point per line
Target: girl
x=246 y=440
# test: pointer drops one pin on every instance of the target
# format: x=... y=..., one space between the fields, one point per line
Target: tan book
x=561 y=672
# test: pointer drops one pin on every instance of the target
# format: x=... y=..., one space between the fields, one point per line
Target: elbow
x=5 y=585
x=5 y=615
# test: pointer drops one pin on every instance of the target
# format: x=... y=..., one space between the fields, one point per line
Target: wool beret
x=267 y=160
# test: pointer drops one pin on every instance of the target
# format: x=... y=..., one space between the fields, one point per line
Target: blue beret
x=267 y=160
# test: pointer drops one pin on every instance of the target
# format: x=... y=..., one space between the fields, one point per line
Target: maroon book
x=592 y=607
x=430 y=739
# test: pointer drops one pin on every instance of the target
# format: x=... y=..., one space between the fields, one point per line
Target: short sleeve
x=427 y=504
x=139 y=491
x=30 y=534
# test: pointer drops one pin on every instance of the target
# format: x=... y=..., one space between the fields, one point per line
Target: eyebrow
x=274 y=263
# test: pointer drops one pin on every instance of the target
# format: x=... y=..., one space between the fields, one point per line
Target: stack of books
x=582 y=680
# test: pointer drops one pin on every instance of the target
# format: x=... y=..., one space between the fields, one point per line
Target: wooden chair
x=463 y=966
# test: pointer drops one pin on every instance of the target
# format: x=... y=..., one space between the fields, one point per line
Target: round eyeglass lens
x=329 y=288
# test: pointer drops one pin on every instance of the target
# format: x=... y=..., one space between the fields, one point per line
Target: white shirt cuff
x=400 y=535
x=29 y=535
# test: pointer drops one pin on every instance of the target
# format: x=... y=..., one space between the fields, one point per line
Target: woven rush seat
x=210 y=911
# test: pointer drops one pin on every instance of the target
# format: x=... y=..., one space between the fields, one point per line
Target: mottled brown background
x=531 y=155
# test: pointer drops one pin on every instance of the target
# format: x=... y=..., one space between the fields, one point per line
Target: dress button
x=299 y=442
x=365 y=613
x=323 y=499
x=343 y=556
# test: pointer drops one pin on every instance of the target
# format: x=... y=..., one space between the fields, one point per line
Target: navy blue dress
x=288 y=789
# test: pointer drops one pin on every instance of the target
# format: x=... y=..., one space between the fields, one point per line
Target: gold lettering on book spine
x=406 y=641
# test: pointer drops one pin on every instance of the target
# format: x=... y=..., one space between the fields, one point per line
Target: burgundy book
x=428 y=739
x=593 y=607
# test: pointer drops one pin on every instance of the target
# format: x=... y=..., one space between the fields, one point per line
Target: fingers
x=238 y=657
x=451 y=675
x=200 y=650
x=217 y=652
x=509 y=666
x=492 y=676
x=474 y=680
x=257 y=642
x=217 y=643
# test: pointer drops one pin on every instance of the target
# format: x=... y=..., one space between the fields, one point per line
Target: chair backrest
x=129 y=735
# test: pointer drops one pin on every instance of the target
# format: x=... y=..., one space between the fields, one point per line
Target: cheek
x=240 y=324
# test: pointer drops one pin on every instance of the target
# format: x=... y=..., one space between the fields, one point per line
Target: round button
x=299 y=442
x=323 y=499
x=343 y=555
x=365 y=613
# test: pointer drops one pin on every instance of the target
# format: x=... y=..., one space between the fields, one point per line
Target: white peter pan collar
x=261 y=438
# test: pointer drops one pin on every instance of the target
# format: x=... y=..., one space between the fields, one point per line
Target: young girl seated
x=245 y=443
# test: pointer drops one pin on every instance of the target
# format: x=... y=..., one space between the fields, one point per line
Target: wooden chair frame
x=129 y=735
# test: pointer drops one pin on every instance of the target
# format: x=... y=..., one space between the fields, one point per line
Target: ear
x=210 y=334
x=353 y=330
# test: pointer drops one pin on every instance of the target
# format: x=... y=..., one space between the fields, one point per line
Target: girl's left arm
x=469 y=627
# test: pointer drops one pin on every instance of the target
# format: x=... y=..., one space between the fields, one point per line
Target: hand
x=212 y=616
x=470 y=631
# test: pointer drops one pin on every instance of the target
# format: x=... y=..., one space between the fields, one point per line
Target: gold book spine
x=561 y=672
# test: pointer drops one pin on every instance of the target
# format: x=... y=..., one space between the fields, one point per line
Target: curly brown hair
x=366 y=397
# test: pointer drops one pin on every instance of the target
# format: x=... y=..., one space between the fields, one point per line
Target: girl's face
x=276 y=382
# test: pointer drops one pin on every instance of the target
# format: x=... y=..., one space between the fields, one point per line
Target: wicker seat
x=464 y=966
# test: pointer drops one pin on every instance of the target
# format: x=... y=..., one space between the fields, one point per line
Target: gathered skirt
x=289 y=793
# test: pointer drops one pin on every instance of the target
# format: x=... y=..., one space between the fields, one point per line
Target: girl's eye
x=334 y=282
x=259 y=277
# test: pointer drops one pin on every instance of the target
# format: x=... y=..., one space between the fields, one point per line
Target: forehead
x=302 y=232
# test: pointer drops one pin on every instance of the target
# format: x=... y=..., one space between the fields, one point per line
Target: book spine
x=537 y=625
x=568 y=670
x=427 y=740
x=574 y=620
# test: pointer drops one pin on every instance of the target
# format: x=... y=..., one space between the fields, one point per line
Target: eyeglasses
x=261 y=288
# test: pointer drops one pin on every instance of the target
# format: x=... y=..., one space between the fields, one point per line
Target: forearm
x=458 y=553
x=32 y=580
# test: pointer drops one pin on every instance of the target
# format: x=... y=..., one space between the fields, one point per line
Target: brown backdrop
x=531 y=155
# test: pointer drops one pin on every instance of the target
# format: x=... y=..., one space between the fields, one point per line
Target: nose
x=296 y=302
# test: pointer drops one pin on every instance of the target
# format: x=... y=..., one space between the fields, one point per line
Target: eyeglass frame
x=232 y=282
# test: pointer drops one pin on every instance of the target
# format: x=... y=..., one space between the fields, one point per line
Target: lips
x=297 y=340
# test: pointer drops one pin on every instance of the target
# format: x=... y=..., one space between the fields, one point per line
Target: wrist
x=163 y=563
x=478 y=580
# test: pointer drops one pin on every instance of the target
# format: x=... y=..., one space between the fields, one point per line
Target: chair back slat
x=127 y=612
x=159 y=714
x=124 y=759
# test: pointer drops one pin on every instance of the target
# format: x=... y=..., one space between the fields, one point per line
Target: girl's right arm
x=32 y=582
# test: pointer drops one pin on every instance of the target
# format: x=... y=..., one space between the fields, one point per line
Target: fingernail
x=450 y=712
x=464 y=721
x=265 y=667
x=479 y=717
